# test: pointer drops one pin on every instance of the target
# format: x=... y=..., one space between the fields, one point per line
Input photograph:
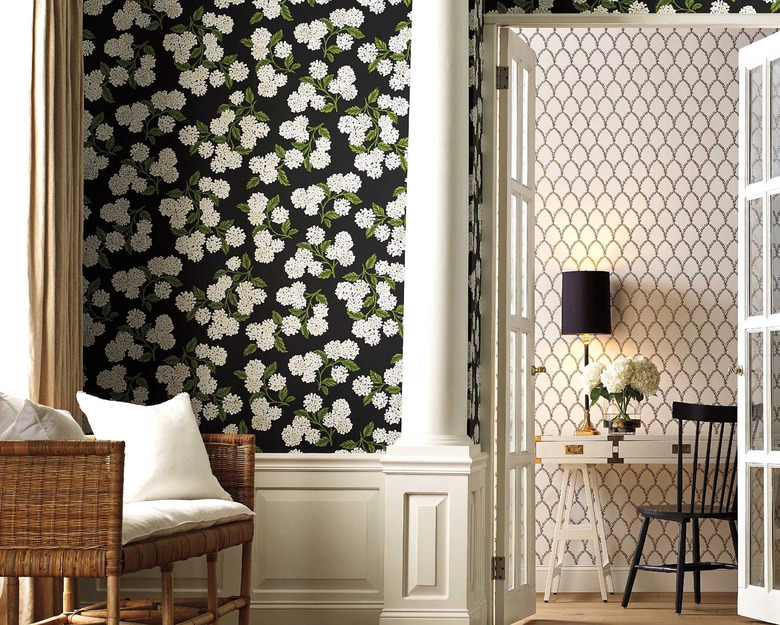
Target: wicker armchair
x=61 y=516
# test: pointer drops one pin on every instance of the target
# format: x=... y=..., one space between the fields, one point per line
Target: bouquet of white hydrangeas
x=621 y=381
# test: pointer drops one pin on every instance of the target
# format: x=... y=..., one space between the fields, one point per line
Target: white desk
x=578 y=457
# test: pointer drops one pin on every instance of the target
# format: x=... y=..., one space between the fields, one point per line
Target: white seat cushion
x=143 y=520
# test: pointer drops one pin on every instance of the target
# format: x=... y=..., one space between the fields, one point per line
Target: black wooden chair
x=713 y=494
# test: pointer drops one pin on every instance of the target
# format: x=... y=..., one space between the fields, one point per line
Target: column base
x=436 y=536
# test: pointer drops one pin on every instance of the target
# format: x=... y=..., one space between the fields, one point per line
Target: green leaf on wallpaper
x=253 y=182
x=357 y=34
x=321 y=442
x=275 y=38
x=281 y=176
x=380 y=45
x=351 y=277
x=382 y=313
x=269 y=370
x=375 y=377
x=242 y=428
x=396 y=358
x=348 y=445
x=246 y=262
x=241 y=375
x=279 y=345
x=358 y=149
x=321 y=299
x=371 y=261
x=368 y=429
x=351 y=365
x=171 y=360
x=191 y=345
x=374 y=95
x=87 y=34
x=198 y=14
x=194 y=179
x=286 y=15
x=775 y=7
x=326 y=383
x=257 y=17
x=173 y=280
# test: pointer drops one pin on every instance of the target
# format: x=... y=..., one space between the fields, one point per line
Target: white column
x=436 y=284
x=436 y=496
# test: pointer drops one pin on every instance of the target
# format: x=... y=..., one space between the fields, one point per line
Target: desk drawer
x=664 y=451
x=580 y=450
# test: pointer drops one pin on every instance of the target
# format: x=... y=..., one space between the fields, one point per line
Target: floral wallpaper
x=245 y=169
x=633 y=6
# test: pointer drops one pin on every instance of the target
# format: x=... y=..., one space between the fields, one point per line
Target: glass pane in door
x=522 y=537
x=526 y=110
x=755 y=119
x=756 y=389
x=776 y=526
x=511 y=530
x=512 y=384
x=755 y=250
x=775 y=347
x=756 y=537
x=774 y=113
x=774 y=216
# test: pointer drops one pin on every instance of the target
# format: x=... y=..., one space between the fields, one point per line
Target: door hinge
x=498 y=567
x=502 y=77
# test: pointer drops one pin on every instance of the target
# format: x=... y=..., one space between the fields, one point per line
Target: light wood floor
x=644 y=609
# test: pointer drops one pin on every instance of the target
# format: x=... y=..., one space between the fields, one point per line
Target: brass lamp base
x=588 y=429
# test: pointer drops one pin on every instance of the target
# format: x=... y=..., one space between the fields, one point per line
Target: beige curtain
x=55 y=233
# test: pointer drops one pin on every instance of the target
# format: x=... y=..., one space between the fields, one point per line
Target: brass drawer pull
x=686 y=448
x=573 y=450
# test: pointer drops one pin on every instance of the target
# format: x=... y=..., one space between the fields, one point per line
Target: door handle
x=737 y=369
x=540 y=369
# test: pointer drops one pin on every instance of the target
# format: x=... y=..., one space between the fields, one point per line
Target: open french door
x=514 y=235
x=759 y=331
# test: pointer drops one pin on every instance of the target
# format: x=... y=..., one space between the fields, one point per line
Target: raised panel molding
x=319 y=539
x=425 y=555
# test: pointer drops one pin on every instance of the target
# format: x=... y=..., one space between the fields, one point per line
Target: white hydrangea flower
x=618 y=374
x=591 y=376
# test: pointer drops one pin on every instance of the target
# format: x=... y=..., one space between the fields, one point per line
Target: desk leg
x=557 y=534
x=567 y=496
x=602 y=534
x=594 y=534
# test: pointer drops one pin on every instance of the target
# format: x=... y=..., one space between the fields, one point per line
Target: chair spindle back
x=713 y=486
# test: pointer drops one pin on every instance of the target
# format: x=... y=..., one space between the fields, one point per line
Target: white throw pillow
x=9 y=409
x=165 y=457
x=36 y=422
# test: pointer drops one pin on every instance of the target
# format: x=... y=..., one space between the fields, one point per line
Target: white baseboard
x=322 y=614
x=584 y=579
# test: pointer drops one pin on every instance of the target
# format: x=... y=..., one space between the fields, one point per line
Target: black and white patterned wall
x=636 y=151
x=633 y=6
x=245 y=165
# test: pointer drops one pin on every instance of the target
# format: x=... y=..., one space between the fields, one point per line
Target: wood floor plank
x=644 y=609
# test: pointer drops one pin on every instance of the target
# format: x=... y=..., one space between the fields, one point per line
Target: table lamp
x=586 y=310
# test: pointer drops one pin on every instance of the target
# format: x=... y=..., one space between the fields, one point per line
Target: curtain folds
x=56 y=204
x=55 y=234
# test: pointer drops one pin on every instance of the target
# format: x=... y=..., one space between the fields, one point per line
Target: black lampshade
x=586 y=303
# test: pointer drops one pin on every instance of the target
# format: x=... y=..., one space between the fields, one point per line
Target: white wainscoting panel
x=319 y=540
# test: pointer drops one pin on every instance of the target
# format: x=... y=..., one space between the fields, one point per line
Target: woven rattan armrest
x=61 y=508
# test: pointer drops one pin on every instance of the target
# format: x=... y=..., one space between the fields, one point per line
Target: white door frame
x=489 y=300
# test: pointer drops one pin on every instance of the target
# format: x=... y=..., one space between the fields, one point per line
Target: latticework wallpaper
x=636 y=151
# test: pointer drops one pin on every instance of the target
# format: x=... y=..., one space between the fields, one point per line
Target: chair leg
x=167 y=594
x=680 y=576
x=246 y=581
x=12 y=607
x=640 y=545
x=211 y=571
x=696 y=560
x=112 y=600
x=70 y=594
x=733 y=528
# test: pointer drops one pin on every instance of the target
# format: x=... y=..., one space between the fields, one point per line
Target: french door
x=514 y=235
x=759 y=331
